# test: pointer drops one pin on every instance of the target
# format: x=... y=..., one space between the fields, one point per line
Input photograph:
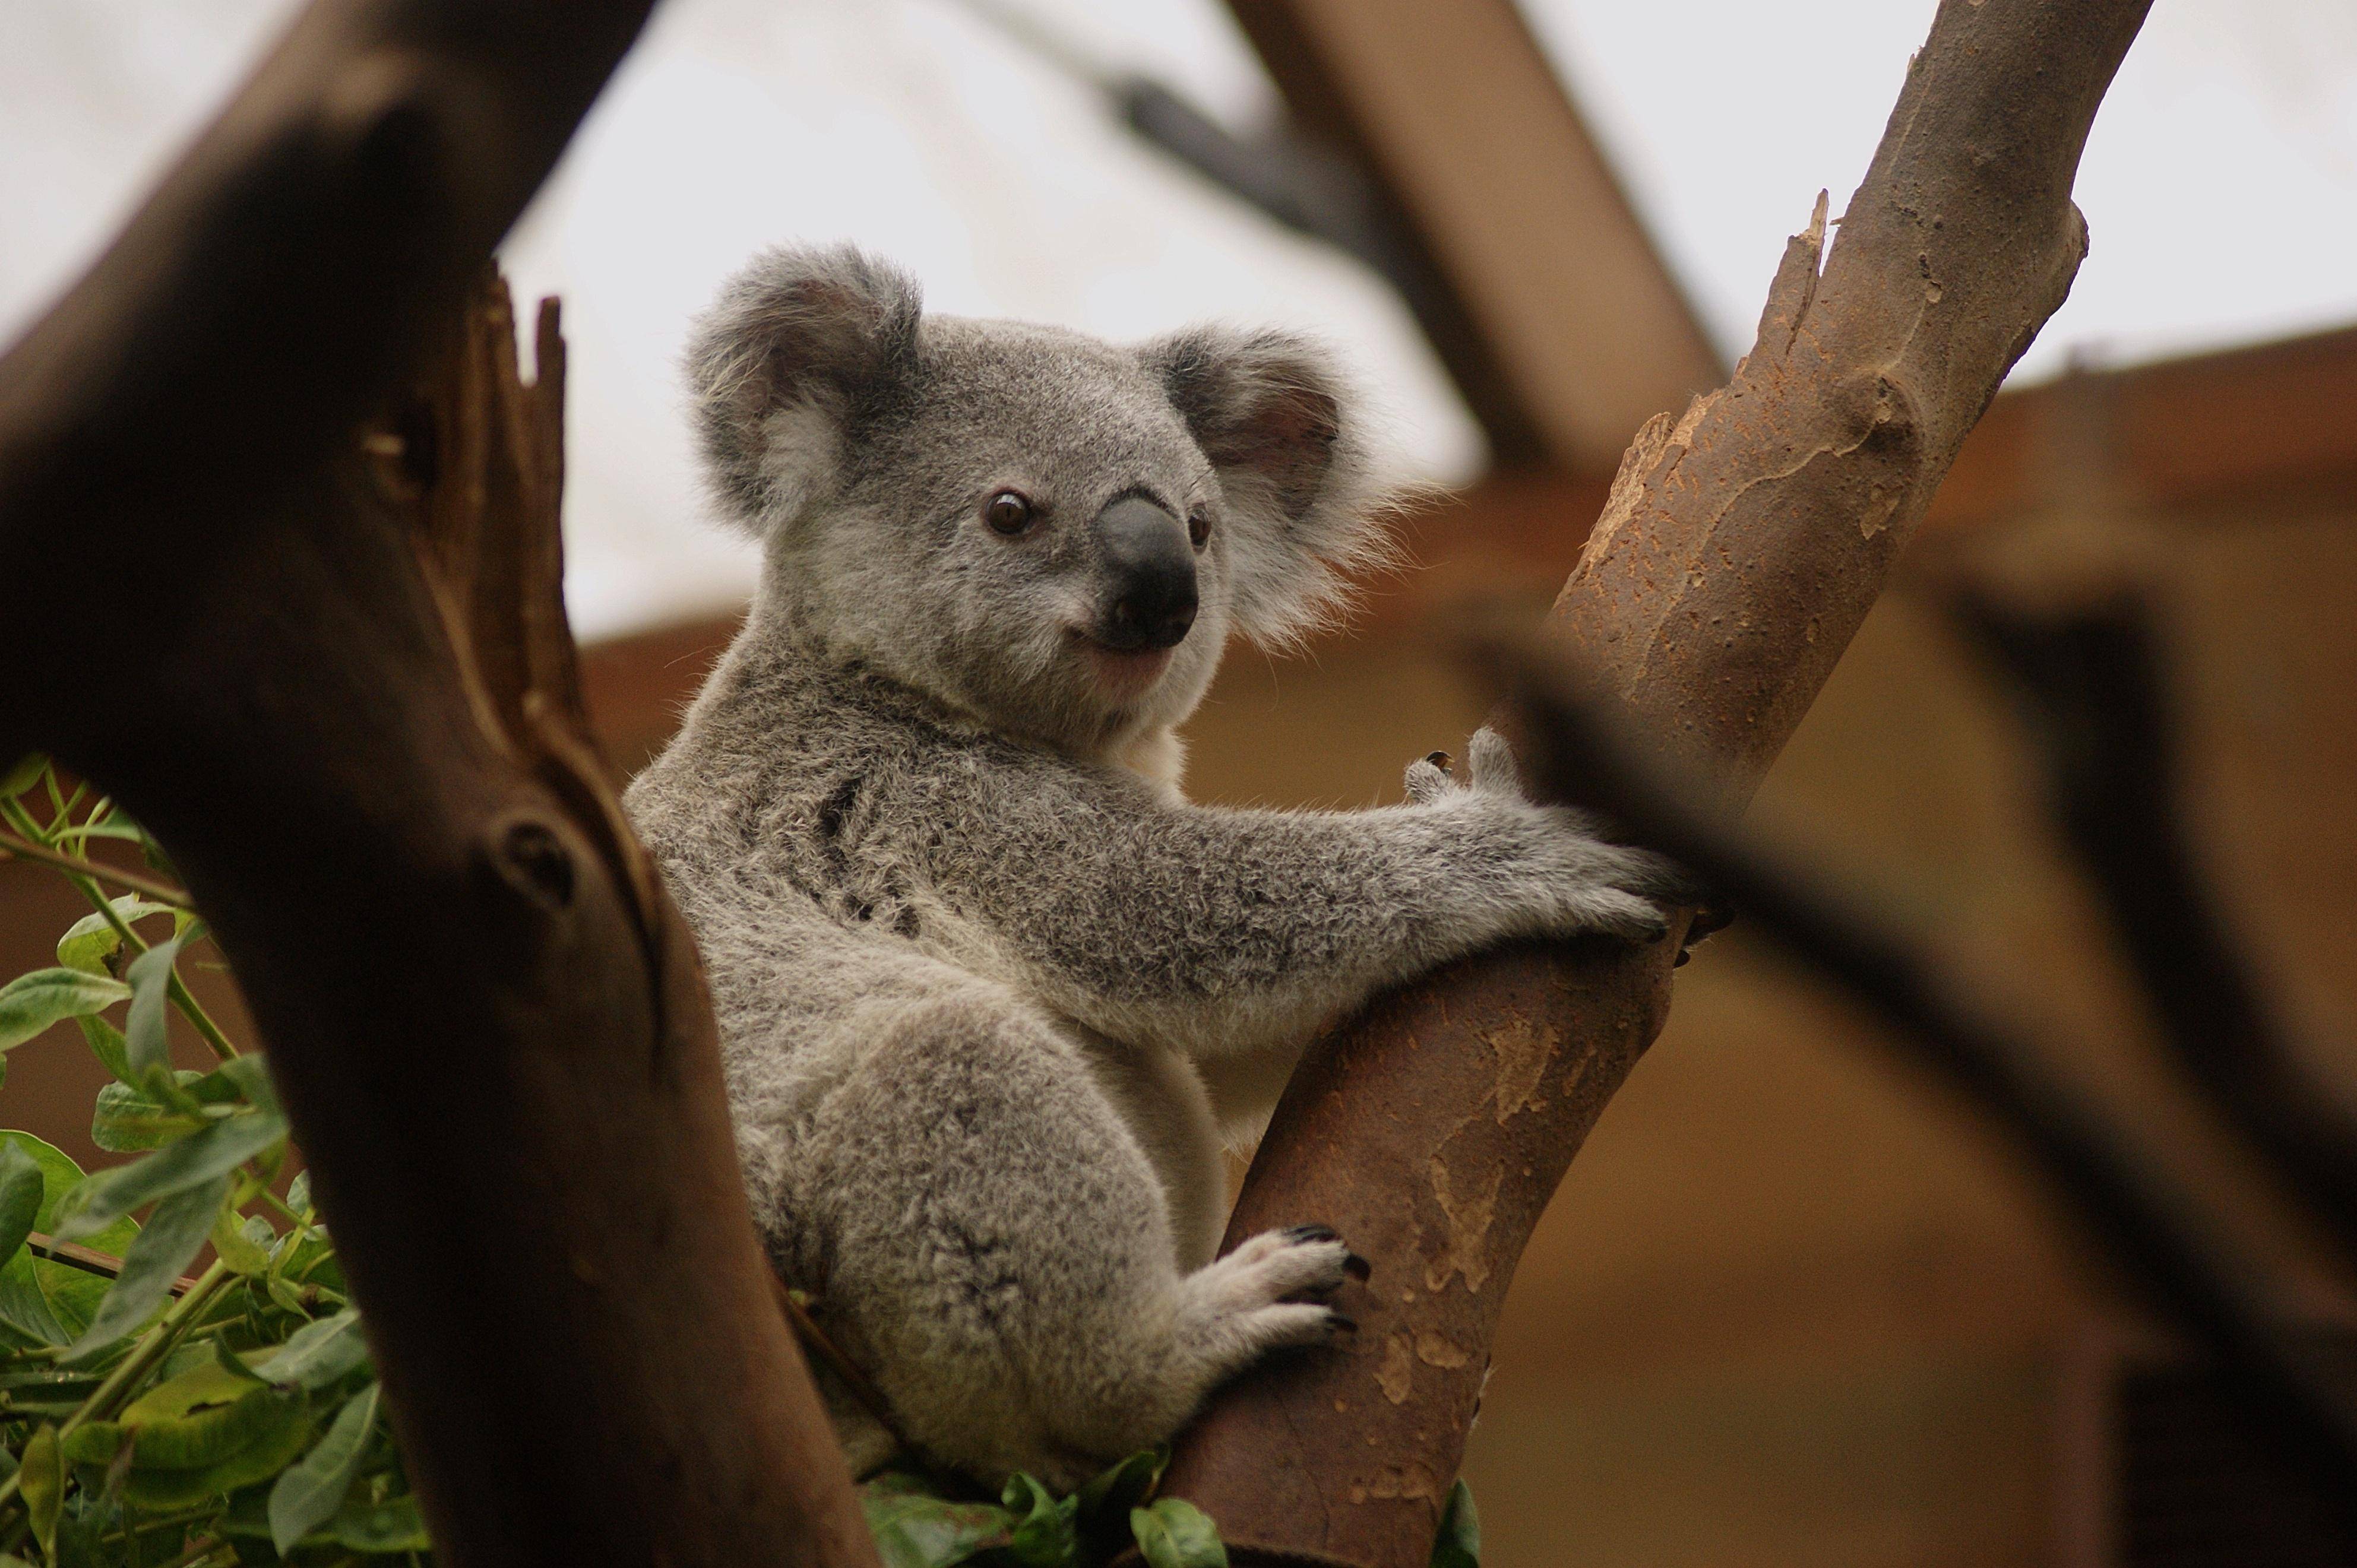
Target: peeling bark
x=1742 y=547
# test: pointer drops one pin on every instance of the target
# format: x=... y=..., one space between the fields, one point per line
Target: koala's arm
x=1215 y=931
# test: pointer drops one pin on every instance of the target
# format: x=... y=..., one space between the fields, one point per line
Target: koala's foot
x=1597 y=885
x=1272 y=1291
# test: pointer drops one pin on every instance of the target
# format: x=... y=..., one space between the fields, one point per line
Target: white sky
x=2220 y=185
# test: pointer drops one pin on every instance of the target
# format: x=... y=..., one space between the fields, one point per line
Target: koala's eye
x=1009 y=511
x=1198 y=529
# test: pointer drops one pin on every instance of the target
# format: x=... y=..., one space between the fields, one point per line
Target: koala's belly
x=1161 y=1098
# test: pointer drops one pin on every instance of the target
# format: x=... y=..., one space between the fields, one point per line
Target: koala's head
x=1051 y=533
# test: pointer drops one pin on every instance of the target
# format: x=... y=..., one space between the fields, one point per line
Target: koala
x=991 y=992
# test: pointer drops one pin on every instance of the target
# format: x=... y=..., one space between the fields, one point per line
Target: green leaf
x=234 y=1244
x=135 y=1115
x=126 y=1122
x=217 y=1150
x=22 y=775
x=90 y=941
x=913 y=1529
x=1044 y=1534
x=52 y=1302
x=105 y=1042
x=42 y=1477
x=31 y=1003
x=1105 y=1501
x=174 y=1234
x=1459 y=1545
x=145 y=1045
x=298 y=1193
x=393 y=1525
x=310 y=1492
x=1124 y=1486
x=94 y=1443
x=1174 y=1533
x=320 y=1353
x=246 y=1078
x=278 y=1427
x=20 y=1198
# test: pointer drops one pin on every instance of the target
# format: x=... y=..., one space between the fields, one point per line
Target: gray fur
x=989 y=990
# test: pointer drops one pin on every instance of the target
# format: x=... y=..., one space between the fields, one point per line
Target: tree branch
x=1742 y=548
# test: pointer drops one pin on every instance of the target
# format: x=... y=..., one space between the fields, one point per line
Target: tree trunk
x=1740 y=549
x=341 y=689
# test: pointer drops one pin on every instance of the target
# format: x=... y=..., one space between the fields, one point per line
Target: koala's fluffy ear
x=799 y=346
x=1275 y=414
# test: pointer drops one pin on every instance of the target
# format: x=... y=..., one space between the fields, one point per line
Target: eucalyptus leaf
x=238 y=1251
x=31 y=1003
x=277 y=1427
x=215 y=1150
x=1174 y=1533
x=127 y=1121
x=174 y=1234
x=1104 y=1503
x=41 y=1479
x=393 y=1525
x=24 y=1306
x=318 y=1354
x=1458 y=1545
x=105 y=1042
x=192 y=1419
x=59 y=1177
x=246 y=1078
x=94 y=1443
x=311 y=1491
x=90 y=941
x=914 y=1529
x=22 y=775
x=1044 y=1535
x=20 y=1198
x=145 y=1045
x=1124 y=1486
x=52 y=1303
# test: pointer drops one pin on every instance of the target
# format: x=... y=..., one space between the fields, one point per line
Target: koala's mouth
x=1123 y=674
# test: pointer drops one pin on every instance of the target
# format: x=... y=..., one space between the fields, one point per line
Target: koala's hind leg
x=998 y=1252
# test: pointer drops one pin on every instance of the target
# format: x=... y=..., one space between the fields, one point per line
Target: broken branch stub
x=1746 y=541
x=1742 y=546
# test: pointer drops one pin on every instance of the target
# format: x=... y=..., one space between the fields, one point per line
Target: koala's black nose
x=1150 y=571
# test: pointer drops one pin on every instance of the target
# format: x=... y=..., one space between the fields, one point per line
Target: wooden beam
x=2269 y=422
x=2265 y=426
x=1568 y=332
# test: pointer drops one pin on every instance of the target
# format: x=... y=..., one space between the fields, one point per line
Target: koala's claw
x=1358 y=1268
x=1490 y=762
x=1428 y=781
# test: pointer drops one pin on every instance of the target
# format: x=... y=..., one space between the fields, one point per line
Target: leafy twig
x=80 y=874
x=129 y=881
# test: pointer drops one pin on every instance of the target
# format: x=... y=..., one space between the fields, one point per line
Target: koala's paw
x=1591 y=885
x=1275 y=1289
x=1489 y=770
